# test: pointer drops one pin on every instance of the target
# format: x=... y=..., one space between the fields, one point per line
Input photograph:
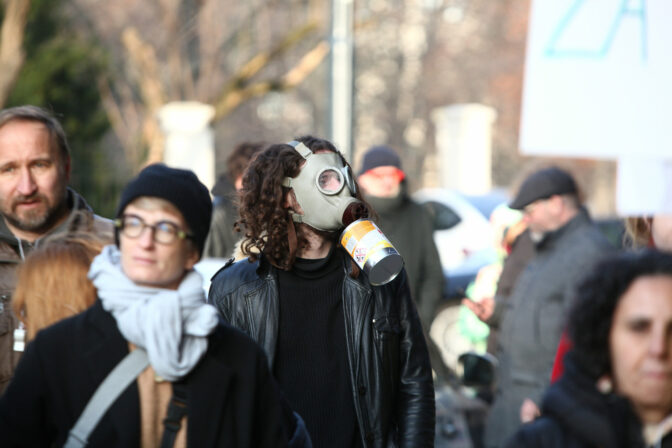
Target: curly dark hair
x=591 y=315
x=262 y=213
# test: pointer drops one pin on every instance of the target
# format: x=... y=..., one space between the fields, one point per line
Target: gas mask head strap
x=303 y=151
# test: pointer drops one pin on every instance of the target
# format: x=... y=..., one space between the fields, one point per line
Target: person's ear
x=192 y=259
x=289 y=199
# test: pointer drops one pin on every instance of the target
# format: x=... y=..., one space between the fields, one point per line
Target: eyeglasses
x=164 y=232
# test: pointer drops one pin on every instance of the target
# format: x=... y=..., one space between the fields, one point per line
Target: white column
x=464 y=146
x=189 y=139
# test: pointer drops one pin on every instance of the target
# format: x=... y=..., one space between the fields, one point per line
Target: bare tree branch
x=262 y=59
x=143 y=59
x=12 y=54
x=308 y=63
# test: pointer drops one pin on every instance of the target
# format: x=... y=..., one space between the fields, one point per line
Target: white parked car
x=463 y=234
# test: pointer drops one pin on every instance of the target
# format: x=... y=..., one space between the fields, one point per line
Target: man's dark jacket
x=12 y=253
x=389 y=367
x=410 y=228
x=576 y=415
x=232 y=401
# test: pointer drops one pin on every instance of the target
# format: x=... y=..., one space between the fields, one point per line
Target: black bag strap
x=177 y=409
x=107 y=393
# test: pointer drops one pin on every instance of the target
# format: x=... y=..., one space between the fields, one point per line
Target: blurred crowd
x=108 y=338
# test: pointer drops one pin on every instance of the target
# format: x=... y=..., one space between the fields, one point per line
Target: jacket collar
x=386 y=206
x=551 y=238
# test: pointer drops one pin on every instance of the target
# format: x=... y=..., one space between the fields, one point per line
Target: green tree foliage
x=60 y=74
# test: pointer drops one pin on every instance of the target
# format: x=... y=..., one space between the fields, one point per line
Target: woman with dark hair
x=616 y=390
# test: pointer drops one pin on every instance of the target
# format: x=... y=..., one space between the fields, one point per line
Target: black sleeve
x=23 y=413
x=415 y=406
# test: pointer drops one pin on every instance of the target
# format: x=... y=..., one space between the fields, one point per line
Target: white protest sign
x=598 y=79
x=644 y=186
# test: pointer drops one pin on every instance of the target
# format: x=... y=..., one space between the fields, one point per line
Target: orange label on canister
x=361 y=239
x=358 y=231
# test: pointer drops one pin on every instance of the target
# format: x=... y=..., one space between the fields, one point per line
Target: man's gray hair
x=33 y=113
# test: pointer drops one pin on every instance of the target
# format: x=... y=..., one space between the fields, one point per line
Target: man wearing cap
x=407 y=224
x=194 y=381
x=349 y=356
x=531 y=320
x=35 y=202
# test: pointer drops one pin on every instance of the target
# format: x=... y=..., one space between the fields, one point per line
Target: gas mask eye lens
x=330 y=181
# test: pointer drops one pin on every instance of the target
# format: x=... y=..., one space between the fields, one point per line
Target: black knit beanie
x=379 y=156
x=179 y=187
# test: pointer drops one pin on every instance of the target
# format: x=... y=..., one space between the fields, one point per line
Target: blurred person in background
x=494 y=283
x=409 y=227
x=52 y=283
x=350 y=357
x=35 y=201
x=640 y=232
x=654 y=231
x=222 y=237
x=567 y=243
x=616 y=390
x=407 y=224
x=200 y=383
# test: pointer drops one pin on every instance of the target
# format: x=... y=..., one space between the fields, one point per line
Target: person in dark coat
x=151 y=299
x=567 y=244
x=616 y=389
x=349 y=356
x=407 y=224
x=35 y=203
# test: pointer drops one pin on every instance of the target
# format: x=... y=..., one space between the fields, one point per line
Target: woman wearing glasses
x=199 y=384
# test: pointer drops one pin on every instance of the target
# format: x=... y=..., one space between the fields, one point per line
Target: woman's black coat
x=232 y=400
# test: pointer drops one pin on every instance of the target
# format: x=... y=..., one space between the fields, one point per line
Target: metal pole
x=341 y=76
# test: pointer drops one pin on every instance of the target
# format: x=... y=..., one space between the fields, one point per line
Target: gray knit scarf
x=171 y=325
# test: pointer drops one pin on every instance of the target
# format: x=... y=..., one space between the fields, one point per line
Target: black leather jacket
x=389 y=366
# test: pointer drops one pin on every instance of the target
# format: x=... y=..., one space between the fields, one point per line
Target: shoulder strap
x=107 y=393
x=177 y=409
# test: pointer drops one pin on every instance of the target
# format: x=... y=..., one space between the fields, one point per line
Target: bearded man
x=35 y=201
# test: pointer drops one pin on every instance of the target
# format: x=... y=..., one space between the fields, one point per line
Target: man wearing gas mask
x=350 y=357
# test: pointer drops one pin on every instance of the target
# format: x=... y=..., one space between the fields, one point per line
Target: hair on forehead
x=57 y=137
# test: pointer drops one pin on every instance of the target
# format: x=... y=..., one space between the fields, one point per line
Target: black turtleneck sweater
x=311 y=363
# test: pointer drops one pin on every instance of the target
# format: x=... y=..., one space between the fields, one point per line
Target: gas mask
x=324 y=189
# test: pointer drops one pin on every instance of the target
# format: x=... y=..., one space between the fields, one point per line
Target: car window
x=443 y=216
